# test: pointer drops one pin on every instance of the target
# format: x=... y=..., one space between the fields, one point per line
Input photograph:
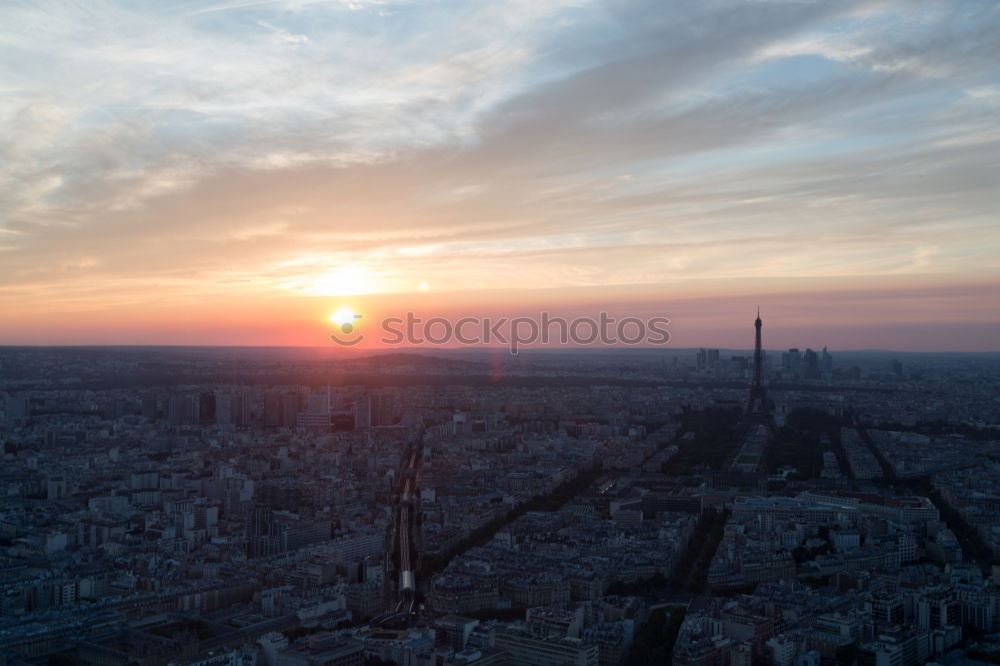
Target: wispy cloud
x=241 y=147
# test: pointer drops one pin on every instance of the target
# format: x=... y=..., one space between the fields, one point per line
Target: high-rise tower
x=757 y=407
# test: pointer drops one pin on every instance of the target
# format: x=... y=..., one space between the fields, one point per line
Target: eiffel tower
x=758 y=408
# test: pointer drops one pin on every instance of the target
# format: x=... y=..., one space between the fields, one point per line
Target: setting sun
x=343 y=316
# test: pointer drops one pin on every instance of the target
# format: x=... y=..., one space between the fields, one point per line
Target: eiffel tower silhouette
x=758 y=409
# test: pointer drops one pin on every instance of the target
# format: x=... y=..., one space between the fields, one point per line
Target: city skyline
x=253 y=507
x=232 y=173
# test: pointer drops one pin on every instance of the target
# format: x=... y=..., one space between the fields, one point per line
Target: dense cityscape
x=241 y=506
x=499 y=333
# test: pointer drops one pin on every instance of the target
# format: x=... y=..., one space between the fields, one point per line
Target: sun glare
x=344 y=281
x=343 y=316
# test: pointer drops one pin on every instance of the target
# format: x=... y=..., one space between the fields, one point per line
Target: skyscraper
x=810 y=364
x=373 y=410
x=232 y=409
x=182 y=409
x=289 y=409
x=363 y=413
x=206 y=408
x=383 y=410
x=791 y=364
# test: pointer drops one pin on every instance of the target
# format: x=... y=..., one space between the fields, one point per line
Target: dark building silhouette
x=206 y=408
x=182 y=409
x=791 y=362
x=363 y=413
x=810 y=365
x=383 y=410
x=232 y=409
x=373 y=410
x=272 y=411
x=706 y=359
x=290 y=408
x=263 y=532
x=758 y=408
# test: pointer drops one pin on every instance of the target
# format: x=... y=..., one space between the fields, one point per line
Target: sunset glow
x=345 y=281
x=214 y=173
x=343 y=316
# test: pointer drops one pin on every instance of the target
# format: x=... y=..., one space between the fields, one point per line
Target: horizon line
x=481 y=348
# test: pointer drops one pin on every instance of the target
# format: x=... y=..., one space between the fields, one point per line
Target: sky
x=182 y=172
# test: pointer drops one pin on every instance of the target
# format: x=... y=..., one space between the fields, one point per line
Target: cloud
x=240 y=147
